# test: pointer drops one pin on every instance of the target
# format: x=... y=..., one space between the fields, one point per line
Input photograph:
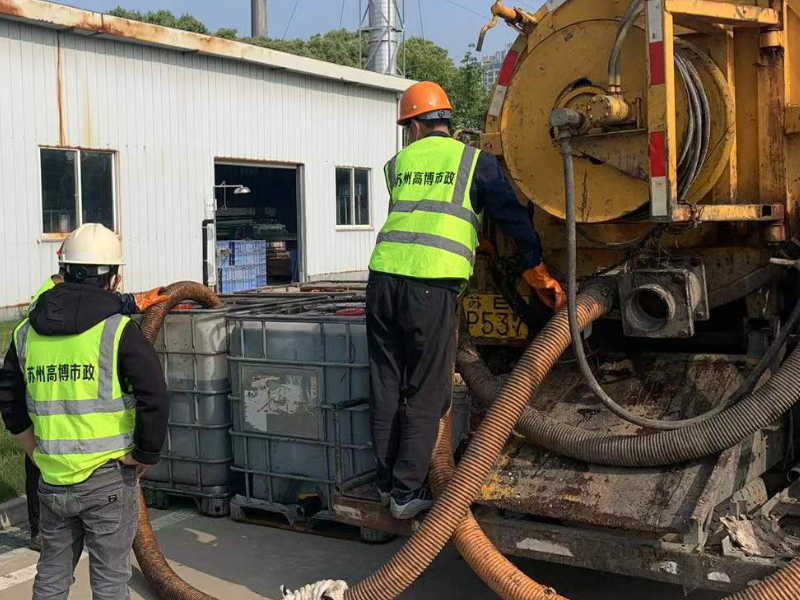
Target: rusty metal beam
x=729 y=212
x=725 y=13
x=366 y=513
x=622 y=553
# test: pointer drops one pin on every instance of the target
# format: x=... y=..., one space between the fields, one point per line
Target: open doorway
x=259 y=225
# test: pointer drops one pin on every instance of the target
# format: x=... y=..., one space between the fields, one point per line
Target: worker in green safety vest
x=84 y=394
x=128 y=304
x=423 y=259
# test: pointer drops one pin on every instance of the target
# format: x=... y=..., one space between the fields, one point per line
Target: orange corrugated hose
x=496 y=571
x=454 y=502
x=455 y=488
x=492 y=566
x=162 y=579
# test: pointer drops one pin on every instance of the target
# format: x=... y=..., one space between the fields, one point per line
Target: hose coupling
x=608 y=109
x=566 y=122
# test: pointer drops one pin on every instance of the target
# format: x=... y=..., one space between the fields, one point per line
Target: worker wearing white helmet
x=83 y=392
x=129 y=304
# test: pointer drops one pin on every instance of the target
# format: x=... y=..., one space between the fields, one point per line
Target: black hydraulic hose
x=698 y=133
x=664 y=448
x=572 y=289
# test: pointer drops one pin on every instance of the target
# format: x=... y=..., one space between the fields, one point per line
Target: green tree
x=189 y=23
x=227 y=33
x=339 y=46
x=164 y=18
x=469 y=94
x=124 y=13
x=425 y=61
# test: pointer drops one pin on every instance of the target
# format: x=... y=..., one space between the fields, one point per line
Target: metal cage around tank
x=197 y=455
x=301 y=433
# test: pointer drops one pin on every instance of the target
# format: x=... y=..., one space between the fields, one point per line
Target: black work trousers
x=411 y=330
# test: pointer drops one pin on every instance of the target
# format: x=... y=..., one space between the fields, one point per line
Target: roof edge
x=67 y=17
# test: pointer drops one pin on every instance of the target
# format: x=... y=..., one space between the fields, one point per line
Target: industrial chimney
x=385 y=29
x=258 y=15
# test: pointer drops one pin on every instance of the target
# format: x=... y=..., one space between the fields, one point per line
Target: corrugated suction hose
x=502 y=576
x=486 y=560
x=454 y=502
x=758 y=409
x=166 y=584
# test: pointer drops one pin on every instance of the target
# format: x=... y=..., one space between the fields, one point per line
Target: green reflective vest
x=46 y=287
x=81 y=418
x=432 y=230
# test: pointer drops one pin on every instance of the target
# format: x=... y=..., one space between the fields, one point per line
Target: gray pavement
x=246 y=562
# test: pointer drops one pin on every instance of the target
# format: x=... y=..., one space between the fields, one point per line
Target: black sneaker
x=409 y=505
x=36 y=542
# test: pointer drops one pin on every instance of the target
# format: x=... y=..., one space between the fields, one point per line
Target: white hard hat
x=91 y=244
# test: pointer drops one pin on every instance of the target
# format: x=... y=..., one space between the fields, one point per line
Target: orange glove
x=486 y=247
x=145 y=300
x=548 y=289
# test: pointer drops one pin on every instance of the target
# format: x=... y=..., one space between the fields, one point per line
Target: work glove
x=322 y=590
x=145 y=300
x=548 y=289
x=487 y=247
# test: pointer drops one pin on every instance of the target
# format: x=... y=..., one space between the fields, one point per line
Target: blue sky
x=453 y=24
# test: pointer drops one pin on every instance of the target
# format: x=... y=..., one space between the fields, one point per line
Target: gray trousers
x=101 y=514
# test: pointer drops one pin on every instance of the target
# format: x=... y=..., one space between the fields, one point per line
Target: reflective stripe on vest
x=81 y=418
x=432 y=230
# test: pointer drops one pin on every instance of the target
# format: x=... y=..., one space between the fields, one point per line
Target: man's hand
x=129 y=461
x=27 y=440
x=548 y=289
x=145 y=300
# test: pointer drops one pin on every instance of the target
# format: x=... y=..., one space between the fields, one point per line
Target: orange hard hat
x=424 y=98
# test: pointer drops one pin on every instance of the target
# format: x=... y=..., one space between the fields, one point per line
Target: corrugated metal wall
x=168 y=115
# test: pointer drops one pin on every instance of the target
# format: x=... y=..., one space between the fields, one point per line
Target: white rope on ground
x=322 y=590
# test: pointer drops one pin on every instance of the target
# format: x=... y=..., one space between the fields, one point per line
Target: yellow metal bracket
x=724 y=13
x=729 y=212
x=661 y=22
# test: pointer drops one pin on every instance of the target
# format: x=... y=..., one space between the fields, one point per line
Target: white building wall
x=168 y=115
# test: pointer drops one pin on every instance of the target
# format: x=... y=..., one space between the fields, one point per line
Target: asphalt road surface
x=235 y=561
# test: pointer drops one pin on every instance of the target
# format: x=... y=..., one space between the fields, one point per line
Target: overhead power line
x=466 y=8
x=291 y=18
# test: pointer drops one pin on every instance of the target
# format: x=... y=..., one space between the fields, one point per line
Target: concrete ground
x=246 y=562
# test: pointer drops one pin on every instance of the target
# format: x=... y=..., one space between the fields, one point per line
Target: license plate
x=490 y=316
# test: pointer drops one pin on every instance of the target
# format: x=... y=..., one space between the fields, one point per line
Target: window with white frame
x=77 y=188
x=352 y=196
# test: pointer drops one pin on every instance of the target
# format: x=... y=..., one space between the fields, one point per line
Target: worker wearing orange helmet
x=423 y=259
